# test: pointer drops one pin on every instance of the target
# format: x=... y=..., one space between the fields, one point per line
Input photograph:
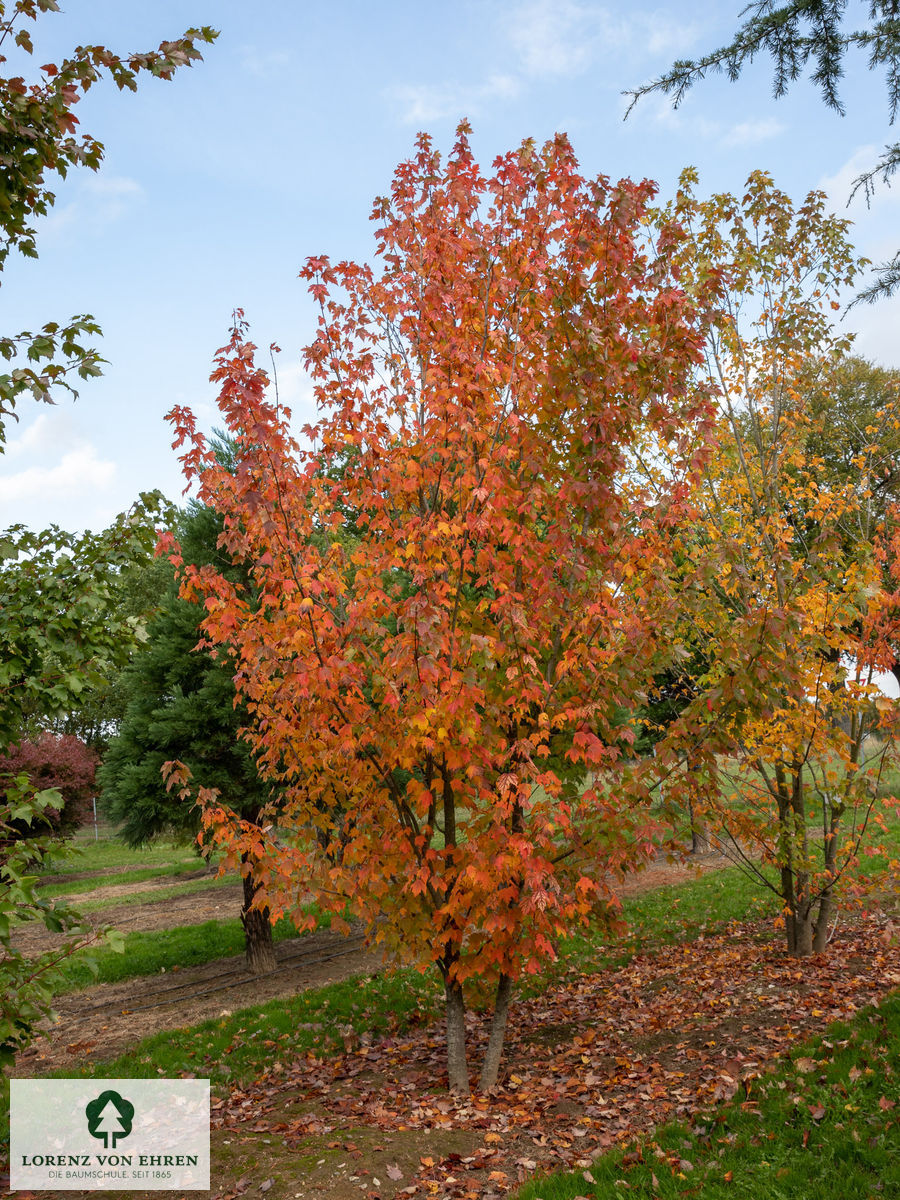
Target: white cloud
x=749 y=133
x=663 y=37
x=564 y=37
x=839 y=185
x=79 y=473
x=262 y=63
x=51 y=431
x=295 y=390
x=685 y=124
x=431 y=102
x=99 y=200
x=548 y=39
x=557 y=37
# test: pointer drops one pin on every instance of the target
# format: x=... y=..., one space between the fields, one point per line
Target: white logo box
x=109 y=1134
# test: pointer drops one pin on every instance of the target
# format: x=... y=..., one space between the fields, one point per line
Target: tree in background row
x=93 y=716
x=180 y=704
x=783 y=595
x=63 y=763
x=450 y=678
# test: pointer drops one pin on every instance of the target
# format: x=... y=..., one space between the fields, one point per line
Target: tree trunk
x=457 y=1066
x=257 y=930
x=490 y=1068
x=699 y=838
x=787 y=895
x=803 y=934
x=820 y=937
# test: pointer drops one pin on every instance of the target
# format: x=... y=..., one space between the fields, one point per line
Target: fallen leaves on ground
x=588 y=1065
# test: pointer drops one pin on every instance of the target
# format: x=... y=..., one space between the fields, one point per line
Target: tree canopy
x=179 y=703
x=451 y=677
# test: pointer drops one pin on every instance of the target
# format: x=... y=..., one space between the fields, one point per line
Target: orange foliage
x=460 y=580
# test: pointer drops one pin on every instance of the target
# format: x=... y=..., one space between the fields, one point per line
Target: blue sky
x=217 y=185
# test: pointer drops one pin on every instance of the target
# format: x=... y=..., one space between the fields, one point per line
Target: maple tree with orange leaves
x=460 y=580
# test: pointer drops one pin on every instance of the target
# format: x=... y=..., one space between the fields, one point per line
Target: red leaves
x=416 y=696
x=57 y=761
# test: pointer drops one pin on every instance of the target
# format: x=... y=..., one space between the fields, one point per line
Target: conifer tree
x=181 y=706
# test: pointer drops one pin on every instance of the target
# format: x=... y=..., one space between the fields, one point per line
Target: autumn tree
x=453 y=678
x=783 y=593
x=818 y=35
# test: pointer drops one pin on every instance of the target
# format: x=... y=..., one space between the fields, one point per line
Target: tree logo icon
x=109 y=1116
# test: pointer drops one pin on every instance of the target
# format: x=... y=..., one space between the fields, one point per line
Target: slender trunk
x=820 y=936
x=803 y=934
x=803 y=910
x=257 y=930
x=786 y=852
x=699 y=838
x=826 y=903
x=457 y=1065
x=490 y=1068
x=790 y=924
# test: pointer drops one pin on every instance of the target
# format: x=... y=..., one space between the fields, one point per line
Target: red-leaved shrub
x=56 y=761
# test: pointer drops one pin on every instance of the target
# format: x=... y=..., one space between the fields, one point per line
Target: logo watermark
x=153 y=1134
x=109 y=1116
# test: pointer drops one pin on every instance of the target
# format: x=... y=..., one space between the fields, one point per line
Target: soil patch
x=117 y=890
x=670 y=874
x=168 y=912
x=101 y=1022
x=95 y=873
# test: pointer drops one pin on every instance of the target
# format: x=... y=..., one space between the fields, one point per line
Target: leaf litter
x=672 y=1033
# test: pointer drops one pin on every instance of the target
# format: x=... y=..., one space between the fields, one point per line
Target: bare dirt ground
x=100 y=1022
x=168 y=912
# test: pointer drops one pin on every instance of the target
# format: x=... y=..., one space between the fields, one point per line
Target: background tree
x=58 y=627
x=180 y=704
x=94 y=715
x=854 y=435
x=457 y=676
x=786 y=587
x=813 y=33
x=63 y=763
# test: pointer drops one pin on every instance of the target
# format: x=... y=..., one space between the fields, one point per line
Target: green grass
x=383 y=1003
x=824 y=1126
x=77 y=887
x=159 y=894
x=85 y=854
x=163 y=949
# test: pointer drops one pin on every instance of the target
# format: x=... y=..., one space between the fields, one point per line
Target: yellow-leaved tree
x=786 y=587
